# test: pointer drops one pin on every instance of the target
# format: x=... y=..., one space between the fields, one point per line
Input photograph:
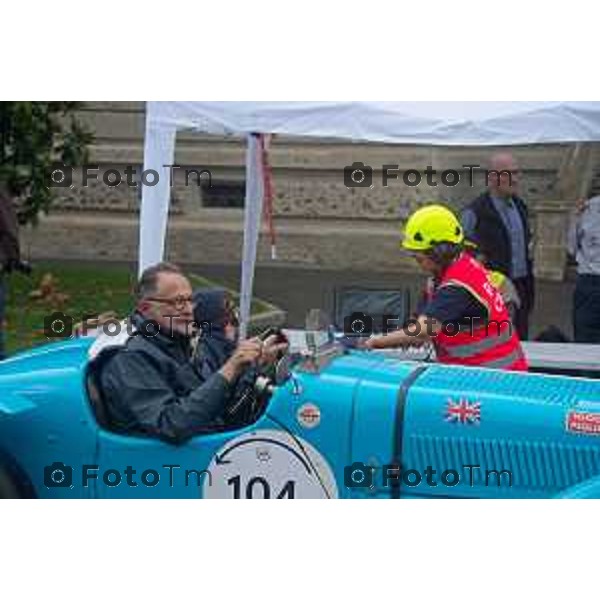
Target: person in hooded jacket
x=217 y=318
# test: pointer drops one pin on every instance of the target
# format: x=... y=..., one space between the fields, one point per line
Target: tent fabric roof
x=437 y=123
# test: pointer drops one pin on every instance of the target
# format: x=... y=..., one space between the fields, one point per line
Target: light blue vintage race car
x=338 y=423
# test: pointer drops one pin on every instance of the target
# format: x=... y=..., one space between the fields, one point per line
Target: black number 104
x=258 y=487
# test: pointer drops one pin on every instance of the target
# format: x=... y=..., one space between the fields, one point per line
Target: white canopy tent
x=437 y=123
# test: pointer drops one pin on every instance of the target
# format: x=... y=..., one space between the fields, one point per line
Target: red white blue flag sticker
x=584 y=423
x=463 y=412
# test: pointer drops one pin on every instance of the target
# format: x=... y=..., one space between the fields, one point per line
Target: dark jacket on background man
x=151 y=386
x=492 y=237
x=9 y=254
x=493 y=241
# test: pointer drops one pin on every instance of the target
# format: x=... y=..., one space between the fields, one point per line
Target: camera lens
x=57 y=476
x=358 y=476
x=358 y=328
x=358 y=176
x=58 y=329
x=58 y=176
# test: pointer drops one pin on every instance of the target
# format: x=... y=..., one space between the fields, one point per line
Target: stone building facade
x=320 y=221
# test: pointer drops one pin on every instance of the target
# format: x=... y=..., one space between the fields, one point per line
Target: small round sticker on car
x=309 y=416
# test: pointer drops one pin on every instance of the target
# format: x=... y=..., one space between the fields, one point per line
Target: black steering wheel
x=256 y=386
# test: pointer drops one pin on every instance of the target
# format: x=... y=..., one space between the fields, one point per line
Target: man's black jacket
x=492 y=236
x=151 y=386
x=493 y=241
x=9 y=232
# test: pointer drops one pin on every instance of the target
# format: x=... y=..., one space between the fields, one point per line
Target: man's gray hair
x=148 y=282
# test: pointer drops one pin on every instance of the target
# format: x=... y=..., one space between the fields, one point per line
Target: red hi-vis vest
x=493 y=344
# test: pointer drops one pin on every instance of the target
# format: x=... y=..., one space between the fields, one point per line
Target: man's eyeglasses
x=179 y=302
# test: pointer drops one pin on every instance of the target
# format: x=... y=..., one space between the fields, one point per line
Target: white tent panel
x=441 y=123
x=159 y=154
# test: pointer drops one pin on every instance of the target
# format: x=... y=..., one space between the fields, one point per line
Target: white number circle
x=269 y=464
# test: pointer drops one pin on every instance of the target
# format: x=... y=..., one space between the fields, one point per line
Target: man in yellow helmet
x=464 y=315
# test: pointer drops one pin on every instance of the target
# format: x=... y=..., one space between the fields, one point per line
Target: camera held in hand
x=23 y=267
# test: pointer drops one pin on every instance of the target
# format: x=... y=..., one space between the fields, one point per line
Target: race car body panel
x=359 y=425
x=528 y=435
x=45 y=415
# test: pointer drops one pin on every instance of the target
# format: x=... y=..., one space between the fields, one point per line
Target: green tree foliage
x=34 y=137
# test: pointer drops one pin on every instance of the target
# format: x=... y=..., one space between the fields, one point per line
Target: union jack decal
x=463 y=412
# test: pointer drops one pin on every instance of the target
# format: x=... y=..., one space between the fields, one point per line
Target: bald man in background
x=498 y=222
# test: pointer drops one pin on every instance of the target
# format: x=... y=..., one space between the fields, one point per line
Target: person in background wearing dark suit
x=9 y=255
x=498 y=223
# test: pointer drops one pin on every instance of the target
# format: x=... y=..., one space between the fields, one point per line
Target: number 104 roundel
x=269 y=464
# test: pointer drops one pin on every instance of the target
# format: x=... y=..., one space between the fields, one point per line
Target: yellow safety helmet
x=429 y=226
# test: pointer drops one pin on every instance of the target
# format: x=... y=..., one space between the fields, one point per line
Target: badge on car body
x=309 y=416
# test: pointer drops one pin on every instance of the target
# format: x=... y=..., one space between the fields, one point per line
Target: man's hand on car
x=272 y=349
x=247 y=353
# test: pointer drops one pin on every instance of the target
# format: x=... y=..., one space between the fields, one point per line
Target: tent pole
x=252 y=221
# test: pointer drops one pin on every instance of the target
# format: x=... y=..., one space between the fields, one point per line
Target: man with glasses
x=498 y=223
x=151 y=385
